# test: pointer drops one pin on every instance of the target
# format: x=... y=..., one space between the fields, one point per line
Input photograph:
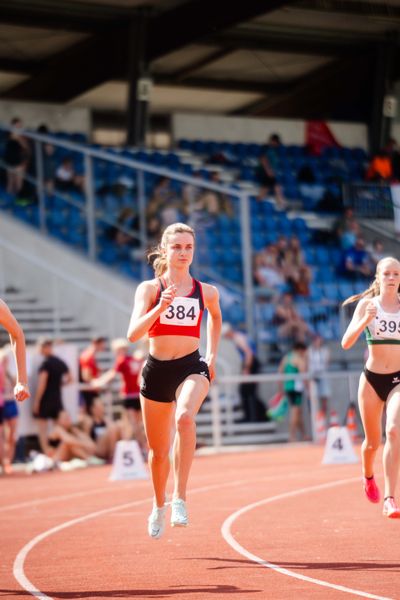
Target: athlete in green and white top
x=378 y=314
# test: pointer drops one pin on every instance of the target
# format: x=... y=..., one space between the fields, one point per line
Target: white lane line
x=39 y=501
x=227 y=535
x=131 y=485
x=18 y=567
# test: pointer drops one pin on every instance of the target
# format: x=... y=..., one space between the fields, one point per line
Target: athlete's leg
x=11 y=438
x=371 y=409
x=157 y=419
x=190 y=396
x=391 y=450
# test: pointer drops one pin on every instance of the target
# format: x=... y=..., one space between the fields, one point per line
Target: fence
x=224 y=398
x=369 y=200
x=119 y=202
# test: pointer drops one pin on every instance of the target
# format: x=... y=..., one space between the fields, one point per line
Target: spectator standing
x=318 y=365
x=53 y=374
x=380 y=168
x=129 y=367
x=356 y=261
x=253 y=407
x=16 y=156
x=89 y=370
x=266 y=172
x=294 y=362
x=66 y=179
x=49 y=161
x=10 y=413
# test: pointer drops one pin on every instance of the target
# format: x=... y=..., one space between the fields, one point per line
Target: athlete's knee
x=392 y=433
x=159 y=454
x=184 y=421
x=371 y=444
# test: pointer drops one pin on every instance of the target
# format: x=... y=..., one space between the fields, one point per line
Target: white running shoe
x=156 y=522
x=179 y=517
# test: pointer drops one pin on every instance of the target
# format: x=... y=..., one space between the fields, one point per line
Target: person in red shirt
x=89 y=371
x=129 y=367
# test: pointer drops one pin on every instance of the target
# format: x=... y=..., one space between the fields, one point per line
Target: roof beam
x=359 y=8
x=184 y=73
x=166 y=32
x=315 y=92
x=73 y=71
x=227 y=85
x=60 y=15
x=248 y=39
x=15 y=65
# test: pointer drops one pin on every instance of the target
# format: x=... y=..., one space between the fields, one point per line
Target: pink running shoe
x=371 y=490
x=390 y=509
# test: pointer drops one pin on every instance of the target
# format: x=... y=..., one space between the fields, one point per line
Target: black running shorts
x=161 y=378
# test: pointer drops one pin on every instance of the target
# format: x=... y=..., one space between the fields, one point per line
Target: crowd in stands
x=94 y=434
x=59 y=170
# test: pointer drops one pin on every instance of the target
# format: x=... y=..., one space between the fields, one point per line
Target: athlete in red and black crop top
x=183 y=316
x=169 y=310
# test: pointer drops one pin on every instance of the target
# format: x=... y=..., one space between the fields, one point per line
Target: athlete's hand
x=167 y=296
x=370 y=312
x=21 y=392
x=211 y=369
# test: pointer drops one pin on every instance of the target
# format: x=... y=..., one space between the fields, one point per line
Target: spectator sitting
x=104 y=433
x=129 y=367
x=356 y=262
x=66 y=180
x=266 y=171
x=376 y=251
x=380 y=168
x=67 y=441
x=267 y=273
x=118 y=233
x=290 y=324
x=347 y=229
x=17 y=153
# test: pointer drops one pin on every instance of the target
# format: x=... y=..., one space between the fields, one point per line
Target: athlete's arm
x=363 y=315
x=17 y=339
x=214 y=323
x=105 y=378
x=142 y=318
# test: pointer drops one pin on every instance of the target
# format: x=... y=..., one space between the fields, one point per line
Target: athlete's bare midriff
x=170 y=347
x=383 y=358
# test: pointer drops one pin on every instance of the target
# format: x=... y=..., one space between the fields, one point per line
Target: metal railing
x=88 y=217
x=345 y=392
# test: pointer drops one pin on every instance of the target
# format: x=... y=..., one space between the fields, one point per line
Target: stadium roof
x=256 y=57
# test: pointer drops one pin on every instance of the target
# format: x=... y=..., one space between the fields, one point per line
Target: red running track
x=267 y=524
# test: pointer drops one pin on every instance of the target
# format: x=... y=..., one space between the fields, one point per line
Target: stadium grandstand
x=133 y=115
x=272 y=128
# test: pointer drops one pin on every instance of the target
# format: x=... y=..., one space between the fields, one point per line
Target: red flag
x=319 y=136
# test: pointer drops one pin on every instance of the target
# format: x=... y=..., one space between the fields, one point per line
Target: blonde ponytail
x=156 y=256
x=374 y=288
x=372 y=291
